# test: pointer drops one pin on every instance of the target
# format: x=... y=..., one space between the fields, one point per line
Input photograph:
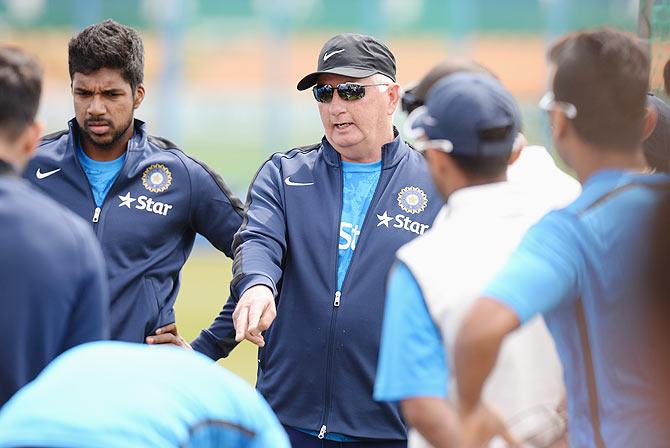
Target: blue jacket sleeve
x=216 y=213
x=218 y=340
x=260 y=244
x=259 y=248
x=89 y=320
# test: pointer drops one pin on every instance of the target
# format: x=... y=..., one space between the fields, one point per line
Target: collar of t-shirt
x=101 y=175
x=358 y=187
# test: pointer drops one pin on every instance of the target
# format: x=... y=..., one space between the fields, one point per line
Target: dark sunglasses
x=348 y=91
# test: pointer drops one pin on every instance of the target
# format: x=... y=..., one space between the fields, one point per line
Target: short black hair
x=605 y=74
x=485 y=167
x=108 y=45
x=477 y=167
x=20 y=91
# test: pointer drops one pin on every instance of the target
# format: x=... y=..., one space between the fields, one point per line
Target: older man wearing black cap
x=323 y=222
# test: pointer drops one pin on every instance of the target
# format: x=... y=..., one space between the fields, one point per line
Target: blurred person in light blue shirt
x=118 y=394
x=585 y=267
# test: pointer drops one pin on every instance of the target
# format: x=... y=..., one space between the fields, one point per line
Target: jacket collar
x=136 y=142
x=392 y=152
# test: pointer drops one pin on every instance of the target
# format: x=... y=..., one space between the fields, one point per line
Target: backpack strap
x=594 y=403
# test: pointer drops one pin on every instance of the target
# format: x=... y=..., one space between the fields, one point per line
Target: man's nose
x=97 y=106
x=337 y=105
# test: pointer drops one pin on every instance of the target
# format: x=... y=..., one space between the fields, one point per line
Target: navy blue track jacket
x=147 y=223
x=53 y=285
x=318 y=366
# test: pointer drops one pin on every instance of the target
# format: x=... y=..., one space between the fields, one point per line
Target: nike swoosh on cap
x=40 y=175
x=289 y=182
x=328 y=55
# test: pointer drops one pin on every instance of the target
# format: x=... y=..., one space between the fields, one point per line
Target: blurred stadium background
x=221 y=76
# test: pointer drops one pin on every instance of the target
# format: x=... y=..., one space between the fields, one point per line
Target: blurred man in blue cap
x=585 y=267
x=469 y=129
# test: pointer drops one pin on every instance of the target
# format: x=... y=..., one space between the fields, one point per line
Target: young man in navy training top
x=52 y=275
x=144 y=197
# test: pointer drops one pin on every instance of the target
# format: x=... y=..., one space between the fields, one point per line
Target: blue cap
x=460 y=107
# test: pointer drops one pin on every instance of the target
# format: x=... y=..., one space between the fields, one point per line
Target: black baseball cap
x=354 y=55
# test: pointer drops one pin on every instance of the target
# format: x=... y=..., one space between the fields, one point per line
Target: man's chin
x=103 y=141
x=344 y=141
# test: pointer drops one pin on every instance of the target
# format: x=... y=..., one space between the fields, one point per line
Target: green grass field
x=204 y=290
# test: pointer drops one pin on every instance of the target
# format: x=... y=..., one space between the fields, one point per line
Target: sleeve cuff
x=207 y=344
x=394 y=394
x=252 y=280
x=523 y=313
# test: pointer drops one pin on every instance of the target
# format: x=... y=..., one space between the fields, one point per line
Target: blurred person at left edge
x=52 y=276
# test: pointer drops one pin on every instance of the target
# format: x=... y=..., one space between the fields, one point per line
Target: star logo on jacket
x=401 y=222
x=412 y=200
x=384 y=219
x=126 y=200
x=145 y=203
x=157 y=178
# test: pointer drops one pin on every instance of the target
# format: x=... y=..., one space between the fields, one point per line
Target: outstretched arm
x=259 y=248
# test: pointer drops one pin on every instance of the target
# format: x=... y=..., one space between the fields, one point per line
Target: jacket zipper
x=338 y=294
x=98 y=210
x=333 y=319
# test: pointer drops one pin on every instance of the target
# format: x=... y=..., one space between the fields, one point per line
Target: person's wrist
x=249 y=282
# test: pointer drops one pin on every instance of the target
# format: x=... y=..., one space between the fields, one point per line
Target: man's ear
x=440 y=162
x=138 y=96
x=560 y=125
x=27 y=142
x=393 y=91
x=519 y=143
x=650 y=120
x=34 y=133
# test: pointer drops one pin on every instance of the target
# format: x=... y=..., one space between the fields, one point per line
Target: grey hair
x=378 y=78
